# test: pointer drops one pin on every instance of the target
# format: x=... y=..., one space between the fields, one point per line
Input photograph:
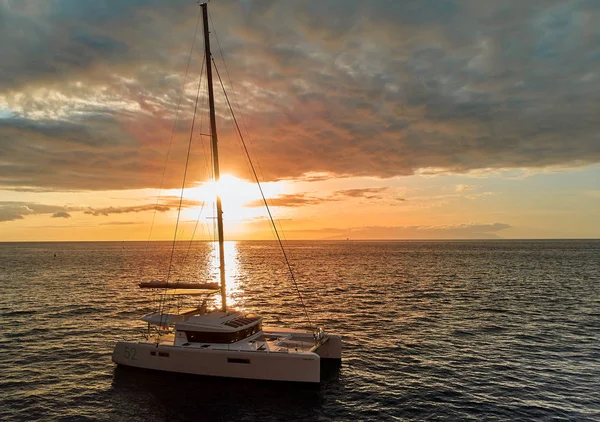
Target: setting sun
x=235 y=195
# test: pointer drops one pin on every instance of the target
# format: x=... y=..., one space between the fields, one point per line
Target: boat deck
x=277 y=342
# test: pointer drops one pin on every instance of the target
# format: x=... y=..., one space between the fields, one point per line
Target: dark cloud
x=66 y=39
x=369 y=193
x=89 y=90
x=125 y=210
x=95 y=152
x=10 y=214
x=14 y=210
x=290 y=200
x=166 y=203
x=302 y=199
x=61 y=214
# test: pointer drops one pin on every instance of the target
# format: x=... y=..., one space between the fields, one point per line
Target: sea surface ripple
x=456 y=330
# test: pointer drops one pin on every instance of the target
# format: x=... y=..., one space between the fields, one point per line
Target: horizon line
x=309 y=240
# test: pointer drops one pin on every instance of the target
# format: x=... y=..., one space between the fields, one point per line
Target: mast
x=215 y=154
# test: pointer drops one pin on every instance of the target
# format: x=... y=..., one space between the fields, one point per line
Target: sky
x=429 y=119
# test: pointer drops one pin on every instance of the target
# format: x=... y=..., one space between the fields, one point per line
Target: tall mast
x=215 y=154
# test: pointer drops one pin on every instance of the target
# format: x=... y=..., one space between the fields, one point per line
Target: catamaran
x=223 y=342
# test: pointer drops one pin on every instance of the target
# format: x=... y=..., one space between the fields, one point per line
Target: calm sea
x=495 y=330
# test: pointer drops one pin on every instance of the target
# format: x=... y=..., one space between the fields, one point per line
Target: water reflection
x=235 y=292
x=171 y=396
x=482 y=344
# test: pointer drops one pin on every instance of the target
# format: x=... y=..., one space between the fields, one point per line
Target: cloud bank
x=459 y=231
x=15 y=210
x=89 y=90
x=302 y=199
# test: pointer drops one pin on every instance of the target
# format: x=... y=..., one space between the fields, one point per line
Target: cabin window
x=152 y=353
x=237 y=360
x=163 y=354
x=210 y=337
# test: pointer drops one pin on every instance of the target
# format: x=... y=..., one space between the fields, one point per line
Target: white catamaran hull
x=258 y=365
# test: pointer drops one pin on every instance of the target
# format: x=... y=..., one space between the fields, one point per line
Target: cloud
x=14 y=210
x=369 y=193
x=61 y=214
x=289 y=200
x=302 y=199
x=10 y=214
x=166 y=203
x=125 y=210
x=458 y=231
x=91 y=152
x=461 y=231
x=29 y=190
x=464 y=188
x=88 y=93
x=175 y=201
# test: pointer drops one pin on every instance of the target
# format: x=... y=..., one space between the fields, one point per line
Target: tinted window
x=208 y=337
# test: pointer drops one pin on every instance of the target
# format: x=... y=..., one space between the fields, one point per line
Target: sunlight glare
x=235 y=194
x=235 y=294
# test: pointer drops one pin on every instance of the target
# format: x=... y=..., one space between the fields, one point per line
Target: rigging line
x=203 y=202
x=187 y=160
x=248 y=161
x=244 y=154
x=233 y=90
x=193 y=234
x=236 y=100
x=162 y=179
x=264 y=198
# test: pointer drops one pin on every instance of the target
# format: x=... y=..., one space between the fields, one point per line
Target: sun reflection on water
x=235 y=293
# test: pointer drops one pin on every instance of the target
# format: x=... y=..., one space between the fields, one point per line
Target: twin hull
x=300 y=367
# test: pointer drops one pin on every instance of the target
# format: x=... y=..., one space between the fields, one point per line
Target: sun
x=240 y=198
x=234 y=192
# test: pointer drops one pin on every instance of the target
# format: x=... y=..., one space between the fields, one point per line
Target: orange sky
x=366 y=121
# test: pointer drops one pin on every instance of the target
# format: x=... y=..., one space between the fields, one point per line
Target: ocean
x=432 y=330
